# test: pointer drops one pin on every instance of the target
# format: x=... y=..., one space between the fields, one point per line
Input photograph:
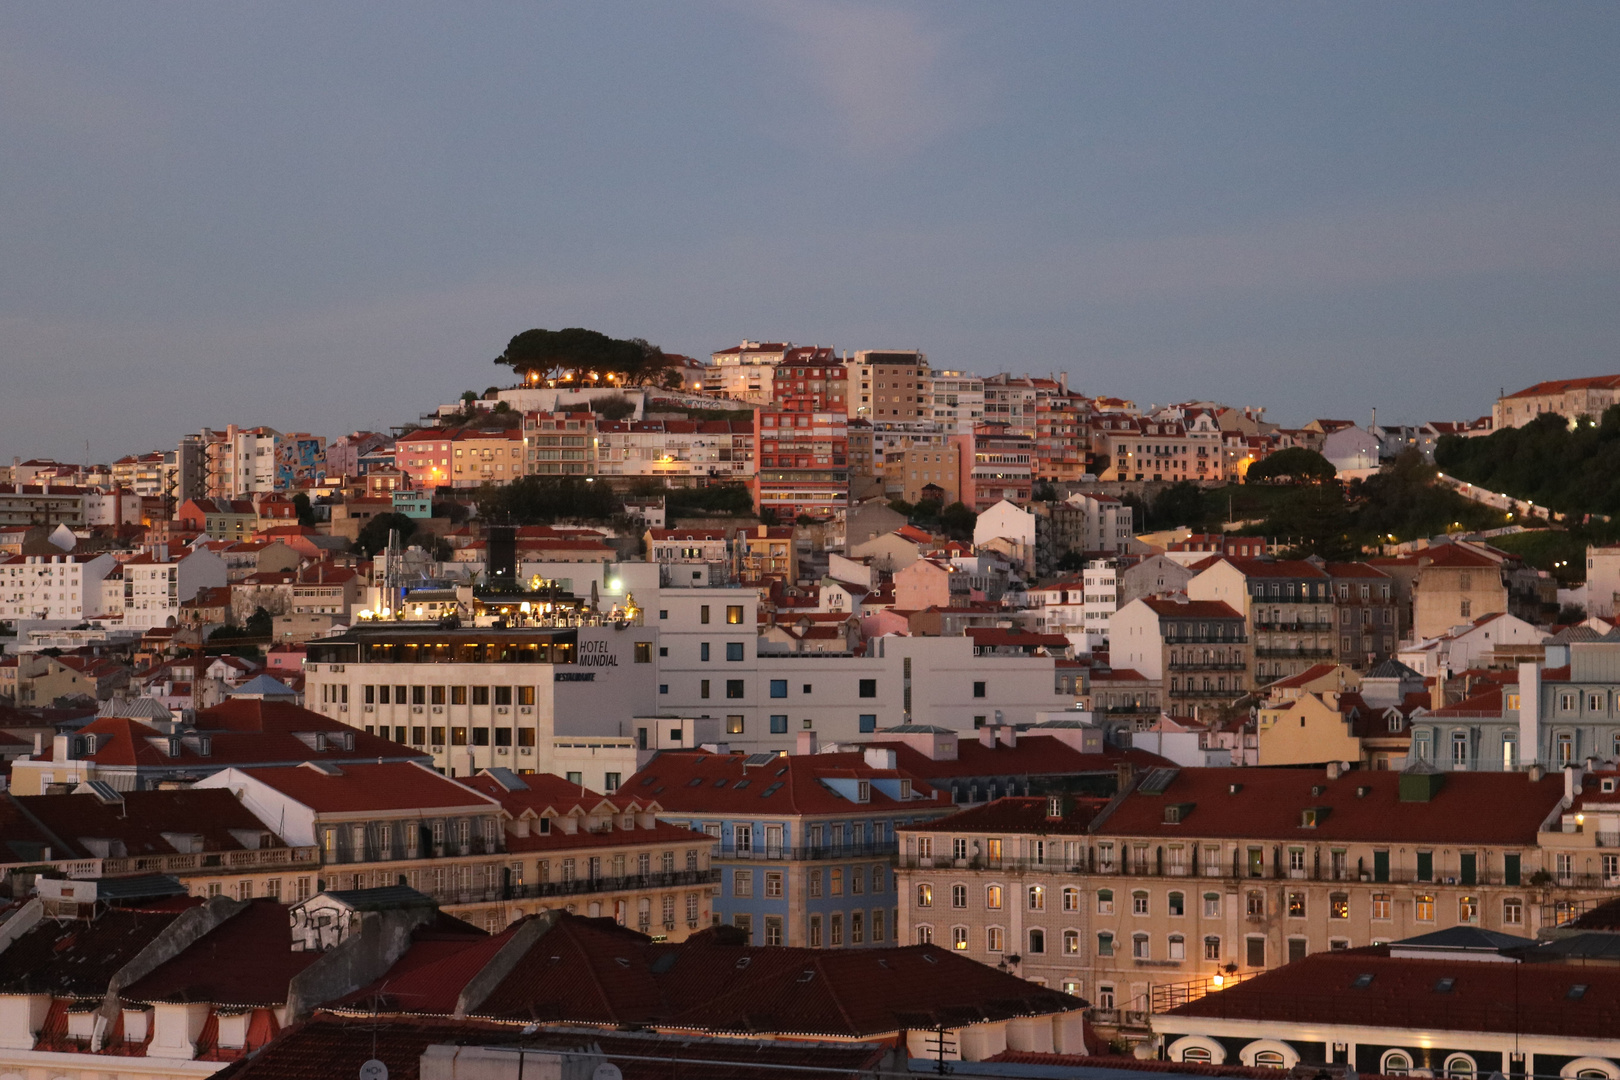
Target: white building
x=1006 y=521
x=957 y=401
x=1603 y=580
x=53 y=587
x=155 y=587
x=116 y=506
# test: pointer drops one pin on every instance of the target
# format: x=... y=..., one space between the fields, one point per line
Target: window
x=857 y=927
x=815 y=931
x=959 y=938
x=773 y=883
x=734 y=614
x=1297 y=948
x=742 y=883
x=1139 y=902
x=1071 y=943
x=1423 y=907
x=868 y=688
x=1255 y=952
x=992 y=897
x=703 y=614
x=1468 y=909
x=1139 y=947
x=1037 y=897
x=1071 y=898
x=1269 y=1059
x=734 y=650
x=734 y=725
x=1037 y=941
x=836 y=937
x=814 y=882
x=995 y=939
x=1105 y=901
x=1513 y=911
x=1178 y=947
x=978 y=689
x=1296 y=905
x=925 y=894
x=1425 y=866
x=958 y=896
x=1460 y=1067
x=778 y=688
x=1396 y=1063
x=779 y=724
x=835 y=880
x=1339 y=906
x=1105 y=944
x=773 y=930
x=925 y=935
x=1212 y=905
x=868 y=722
x=643 y=652
x=734 y=689
x=480 y=695
x=1178 y=904
x=1212 y=948
x=1198 y=1055
x=703 y=651
x=1381 y=906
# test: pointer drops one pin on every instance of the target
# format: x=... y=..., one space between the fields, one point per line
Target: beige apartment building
x=888 y=387
x=1199 y=873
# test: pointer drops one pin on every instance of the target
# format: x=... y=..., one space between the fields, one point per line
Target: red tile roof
x=140 y=821
x=1470 y=808
x=1321 y=989
x=1190 y=609
x=1562 y=386
x=1309 y=675
x=74 y=958
x=697 y=782
x=354 y=786
x=246 y=960
x=1034 y=755
x=1019 y=814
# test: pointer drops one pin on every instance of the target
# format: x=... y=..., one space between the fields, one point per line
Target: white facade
x=117 y=506
x=154 y=590
x=958 y=401
x=560 y=718
x=1005 y=521
x=1602 y=580
x=1351 y=448
x=1109 y=523
x=1137 y=642
x=54 y=587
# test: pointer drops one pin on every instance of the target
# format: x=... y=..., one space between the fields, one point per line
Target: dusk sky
x=331 y=216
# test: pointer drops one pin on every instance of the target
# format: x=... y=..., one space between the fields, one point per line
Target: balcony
x=1236 y=665
x=1300 y=653
x=232 y=861
x=1307 y=625
x=818 y=853
x=584 y=886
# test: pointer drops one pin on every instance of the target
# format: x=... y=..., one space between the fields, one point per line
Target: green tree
x=1295 y=464
x=542 y=353
x=259 y=624
x=374 y=535
x=539 y=500
x=1182 y=503
x=306 y=512
x=957 y=521
x=616 y=407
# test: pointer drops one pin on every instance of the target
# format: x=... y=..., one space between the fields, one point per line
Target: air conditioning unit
x=502 y=709
x=500 y=749
x=525 y=750
x=526 y=709
x=343 y=708
x=337 y=667
x=438 y=708
x=371 y=708
x=416 y=708
x=438 y=749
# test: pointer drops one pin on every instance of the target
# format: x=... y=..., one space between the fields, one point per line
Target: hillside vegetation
x=1574 y=469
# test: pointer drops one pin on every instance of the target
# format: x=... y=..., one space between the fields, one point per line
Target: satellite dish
x=607 y=1071
x=373 y=1070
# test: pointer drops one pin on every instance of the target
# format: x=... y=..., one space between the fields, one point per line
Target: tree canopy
x=1574 y=468
x=374 y=535
x=540 y=500
x=1296 y=463
x=582 y=353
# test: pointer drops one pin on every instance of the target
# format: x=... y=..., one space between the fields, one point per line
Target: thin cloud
x=893 y=81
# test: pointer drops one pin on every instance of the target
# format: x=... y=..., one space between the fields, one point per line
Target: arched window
x=925 y=894
x=925 y=935
x=1460 y=1067
x=1105 y=901
x=1071 y=943
x=1105 y=945
x=1071 y=898
x=1139 y=947
x=1197 y=1054
x=1178 y=947
x=1178 y=904
x=1037 y=941
x=1396 y=1063
x=959 y=938
x=1037 y=898
x=1268 y=1059
x=994 y=939
x=992 y=896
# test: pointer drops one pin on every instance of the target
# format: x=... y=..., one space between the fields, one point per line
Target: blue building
x=805 y=843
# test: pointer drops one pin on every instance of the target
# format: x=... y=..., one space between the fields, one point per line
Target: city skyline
x=310 y=219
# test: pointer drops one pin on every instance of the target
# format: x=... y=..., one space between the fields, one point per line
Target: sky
x=332 y=216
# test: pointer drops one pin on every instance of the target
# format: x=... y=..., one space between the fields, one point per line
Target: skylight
x=1363 y=981
x=1444 y=986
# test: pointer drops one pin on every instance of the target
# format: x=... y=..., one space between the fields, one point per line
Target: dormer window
x=1054 y=806
x=863 y=791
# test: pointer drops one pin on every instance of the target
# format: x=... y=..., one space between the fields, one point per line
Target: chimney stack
x=806 y=743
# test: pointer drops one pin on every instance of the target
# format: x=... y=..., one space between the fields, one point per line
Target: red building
x=802 y=441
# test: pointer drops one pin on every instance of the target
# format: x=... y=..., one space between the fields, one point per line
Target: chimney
x=987 y=737
x=806 y=743
x=1573 y=774
x=1334 y=770
x=1007 y=735
x=879 y=758
x=62 y=748
x=1437 y=693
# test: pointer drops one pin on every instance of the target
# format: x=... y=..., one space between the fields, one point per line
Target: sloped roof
x=143 y=818
x=74 y=958
x=1034 y=755
x=1478 y=807
x=1563 y=386
x=698 y=782
x=353 y=786
x=1407 y=993
x=247 y=960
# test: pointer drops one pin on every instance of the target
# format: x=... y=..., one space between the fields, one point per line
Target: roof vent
x=1362 y=791
x=1443 y=986
x=1234 y=788
x=743 y=961
x=1363 y=981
